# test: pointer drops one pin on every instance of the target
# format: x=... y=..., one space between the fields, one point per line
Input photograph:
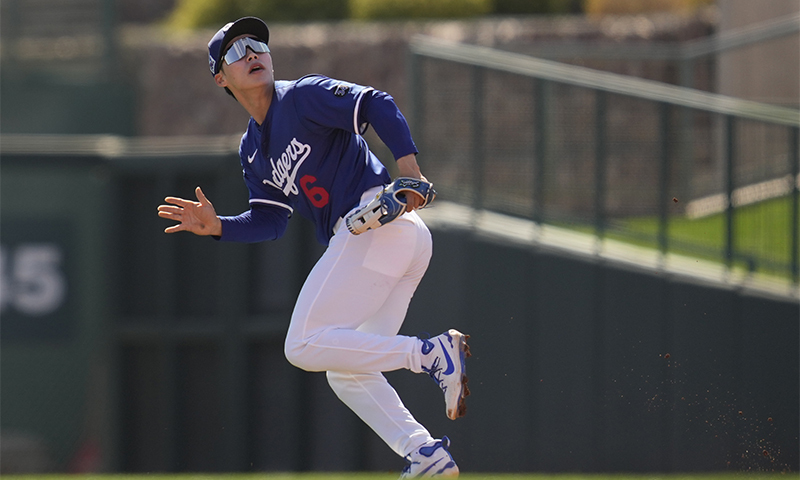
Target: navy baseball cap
x=246 y=25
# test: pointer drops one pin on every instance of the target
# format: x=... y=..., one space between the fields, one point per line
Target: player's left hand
x=408 y=167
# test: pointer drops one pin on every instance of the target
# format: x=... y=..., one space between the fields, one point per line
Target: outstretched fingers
x=175 y=228
x=201 y=197
x=197 y=217
x=180 y=201
x=169 y=210
x=174 y=212
x=171 y=213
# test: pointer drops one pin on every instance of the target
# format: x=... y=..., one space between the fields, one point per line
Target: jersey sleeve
x=327 y=103
x=379 y=109
x=260 y=223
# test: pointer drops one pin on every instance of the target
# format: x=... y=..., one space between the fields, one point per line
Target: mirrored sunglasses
x=238 y=49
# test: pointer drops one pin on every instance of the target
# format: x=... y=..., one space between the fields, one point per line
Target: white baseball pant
x=347 y=317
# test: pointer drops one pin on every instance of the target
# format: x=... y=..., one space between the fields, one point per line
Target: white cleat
x=431 y=460
x=444 y=360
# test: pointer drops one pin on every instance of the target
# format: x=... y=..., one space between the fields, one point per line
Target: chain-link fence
x=679 y=170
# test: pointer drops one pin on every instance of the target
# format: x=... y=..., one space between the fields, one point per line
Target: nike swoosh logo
x=450 y=367
x=250 y=159
x=427 y=346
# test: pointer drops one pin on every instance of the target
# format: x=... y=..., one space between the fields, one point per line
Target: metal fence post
x=794 y=211
x=600 y=163
x=541 y=137
x=729 y=125
x=477 y=137
x=686 y=72
x=664 y=183
x=415 y=93
x=111 y=61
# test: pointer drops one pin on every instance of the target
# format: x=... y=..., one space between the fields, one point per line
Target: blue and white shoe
x=431 y=460
x=443 y=358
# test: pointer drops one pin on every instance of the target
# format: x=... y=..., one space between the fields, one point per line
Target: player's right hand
x=197 y=217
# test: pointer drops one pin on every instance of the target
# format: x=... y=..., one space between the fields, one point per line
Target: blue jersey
x=309 y=156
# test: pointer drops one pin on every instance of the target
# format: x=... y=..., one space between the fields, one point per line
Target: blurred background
x=617 y=227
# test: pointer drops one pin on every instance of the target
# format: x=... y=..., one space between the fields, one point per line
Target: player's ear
x=220 y=79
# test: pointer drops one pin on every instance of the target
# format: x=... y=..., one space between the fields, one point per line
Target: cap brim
x=246 y=26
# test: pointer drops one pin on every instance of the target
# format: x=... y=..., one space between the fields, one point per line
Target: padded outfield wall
x=587 y=364
x=140 y=351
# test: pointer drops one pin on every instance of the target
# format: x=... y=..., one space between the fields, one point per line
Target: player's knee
x=293 y=350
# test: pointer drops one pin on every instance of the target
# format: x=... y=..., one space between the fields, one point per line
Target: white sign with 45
x=32 y=281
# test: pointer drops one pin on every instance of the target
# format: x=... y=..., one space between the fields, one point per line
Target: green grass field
x=762 y=234
x=388 y=476
x=762 y=228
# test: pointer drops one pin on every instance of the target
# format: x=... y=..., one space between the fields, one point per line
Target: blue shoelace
x=435 y=369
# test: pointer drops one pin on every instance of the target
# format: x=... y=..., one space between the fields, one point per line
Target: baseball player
x=303 y=153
